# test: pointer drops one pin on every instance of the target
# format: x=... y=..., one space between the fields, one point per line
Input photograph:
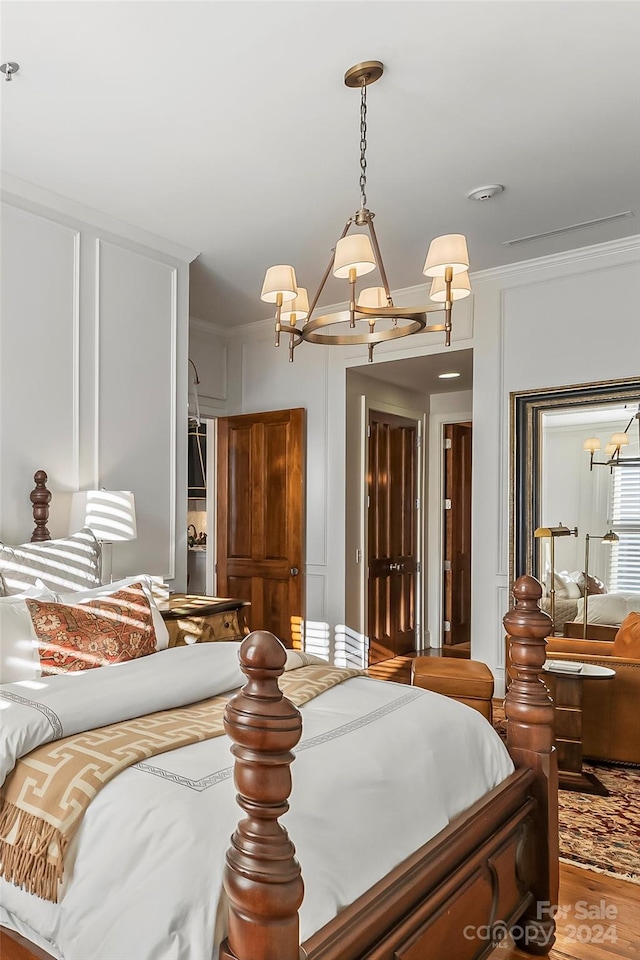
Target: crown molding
x=626 y=245
x=209 y=327
x=23 y=193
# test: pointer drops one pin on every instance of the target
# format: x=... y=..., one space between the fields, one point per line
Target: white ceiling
x=594 y=414
x=422 y=374
x=225 y=126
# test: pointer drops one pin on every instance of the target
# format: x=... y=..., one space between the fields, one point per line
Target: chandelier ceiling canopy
x=371 y=317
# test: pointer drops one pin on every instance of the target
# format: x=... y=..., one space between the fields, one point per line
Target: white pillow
x=159 y=626
x=609 y=608
x=566 y=586
x=72 y=563
x=19 y=659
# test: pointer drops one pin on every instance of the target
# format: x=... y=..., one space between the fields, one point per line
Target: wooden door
x=260 y=518
x=457 y=533
x=392 y=535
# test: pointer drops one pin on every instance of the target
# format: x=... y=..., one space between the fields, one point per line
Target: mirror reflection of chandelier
x=372 y=316
x=613 y=449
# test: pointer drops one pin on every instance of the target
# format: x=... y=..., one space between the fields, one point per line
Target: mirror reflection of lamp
x=110 y=515
x=609 y=538
x=552 y=533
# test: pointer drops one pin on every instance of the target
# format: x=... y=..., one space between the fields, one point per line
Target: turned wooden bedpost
x=529 y=712
x=40 y=498
x=262 y=878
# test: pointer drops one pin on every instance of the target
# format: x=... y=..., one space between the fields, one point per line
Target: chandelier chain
x=363 y=146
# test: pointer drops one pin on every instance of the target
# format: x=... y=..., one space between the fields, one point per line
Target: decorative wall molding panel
x=93 y=384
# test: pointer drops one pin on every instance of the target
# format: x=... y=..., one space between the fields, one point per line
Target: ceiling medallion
x=372 y=316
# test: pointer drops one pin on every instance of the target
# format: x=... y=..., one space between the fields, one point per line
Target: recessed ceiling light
x=447 y=376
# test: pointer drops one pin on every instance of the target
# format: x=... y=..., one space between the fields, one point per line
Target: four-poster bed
x=494 y=866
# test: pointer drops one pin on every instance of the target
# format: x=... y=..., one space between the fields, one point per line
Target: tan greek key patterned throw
x=44 y=799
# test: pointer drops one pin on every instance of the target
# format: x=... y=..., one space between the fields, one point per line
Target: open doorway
x=456 y=566
x=393 y=534
x=414 y=387
x=201 y=459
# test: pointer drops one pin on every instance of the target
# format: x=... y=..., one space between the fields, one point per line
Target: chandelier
x=372 y=317
x=613 y=449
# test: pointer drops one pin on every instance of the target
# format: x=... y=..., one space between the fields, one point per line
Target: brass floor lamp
x=609 y=538
x=552 y=533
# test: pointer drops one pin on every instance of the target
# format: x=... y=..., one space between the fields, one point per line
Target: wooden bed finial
x=529 y=711
x=40 y=498
x=262 y=877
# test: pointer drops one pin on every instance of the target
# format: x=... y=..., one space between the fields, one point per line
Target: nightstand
x=196 y=619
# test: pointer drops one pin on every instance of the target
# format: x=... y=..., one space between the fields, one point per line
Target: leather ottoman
x=468 y=681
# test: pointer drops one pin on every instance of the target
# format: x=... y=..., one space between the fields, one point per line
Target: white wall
x=93 y=347
x=208 y=351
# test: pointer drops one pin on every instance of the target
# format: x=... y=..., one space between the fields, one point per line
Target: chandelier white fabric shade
x=353 y=252
x=620 y=439
x=460 y=288
x=109 y=514
x=298 y=308
x=610 y=449
x=374 y=297
x=279 y=280
x=447 y=251
x=592 y=444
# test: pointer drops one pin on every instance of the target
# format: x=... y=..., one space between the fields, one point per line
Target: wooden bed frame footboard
x=495 y=868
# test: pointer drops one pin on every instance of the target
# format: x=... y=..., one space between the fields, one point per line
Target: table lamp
x=609 y=538
x=552 y=533
x=110 y=515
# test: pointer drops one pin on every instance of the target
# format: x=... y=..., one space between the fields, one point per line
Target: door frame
x=420 y=419
x=435 y=525
x=212 y=499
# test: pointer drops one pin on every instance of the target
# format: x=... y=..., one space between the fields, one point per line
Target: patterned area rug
x=601 y=833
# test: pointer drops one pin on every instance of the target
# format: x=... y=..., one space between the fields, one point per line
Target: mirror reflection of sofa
x=611 y=709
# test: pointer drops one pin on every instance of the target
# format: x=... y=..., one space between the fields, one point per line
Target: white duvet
x=143 y=874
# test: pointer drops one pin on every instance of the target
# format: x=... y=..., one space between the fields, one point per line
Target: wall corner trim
x=17 y=191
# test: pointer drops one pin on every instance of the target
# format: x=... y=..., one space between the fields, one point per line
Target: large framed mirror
x=554 y=480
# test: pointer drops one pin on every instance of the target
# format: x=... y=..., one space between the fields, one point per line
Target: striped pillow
x=72 y=563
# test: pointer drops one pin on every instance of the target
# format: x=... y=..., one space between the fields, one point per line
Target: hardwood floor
x=599 y=920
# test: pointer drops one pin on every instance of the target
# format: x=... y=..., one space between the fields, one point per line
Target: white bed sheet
x=376 y=760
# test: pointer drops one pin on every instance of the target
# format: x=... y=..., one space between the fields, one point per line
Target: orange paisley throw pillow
x=111 y=629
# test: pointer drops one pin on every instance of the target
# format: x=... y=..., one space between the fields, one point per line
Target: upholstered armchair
x=611 y=710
